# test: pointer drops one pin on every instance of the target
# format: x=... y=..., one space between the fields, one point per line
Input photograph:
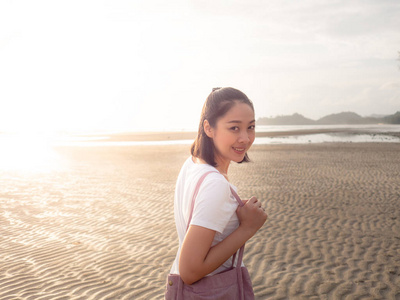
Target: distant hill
x=343 y=118
x=295 y=119
x=346 y=118
x=392 y=119
x=376 y=116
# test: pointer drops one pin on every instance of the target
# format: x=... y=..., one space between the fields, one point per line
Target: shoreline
x=176 y=136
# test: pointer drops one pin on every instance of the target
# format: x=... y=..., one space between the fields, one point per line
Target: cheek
x=252 y=137
x=224 y=140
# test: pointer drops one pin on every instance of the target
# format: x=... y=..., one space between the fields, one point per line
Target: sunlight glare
x=28 y=153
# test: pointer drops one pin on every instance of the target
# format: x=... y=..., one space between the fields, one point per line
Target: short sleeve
x=214 y=205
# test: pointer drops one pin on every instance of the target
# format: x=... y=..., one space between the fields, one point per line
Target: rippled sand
x=100 y=225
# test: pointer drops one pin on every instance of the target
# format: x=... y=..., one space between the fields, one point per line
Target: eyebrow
x=239 y=122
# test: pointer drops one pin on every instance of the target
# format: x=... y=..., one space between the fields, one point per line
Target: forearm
x=218 y=254
x=222 y=251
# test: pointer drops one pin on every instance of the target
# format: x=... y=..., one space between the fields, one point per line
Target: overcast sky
x=149 y=65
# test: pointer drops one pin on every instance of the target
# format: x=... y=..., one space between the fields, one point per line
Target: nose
x=244 y=137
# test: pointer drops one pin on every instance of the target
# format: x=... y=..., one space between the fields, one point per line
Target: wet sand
x=101 y=226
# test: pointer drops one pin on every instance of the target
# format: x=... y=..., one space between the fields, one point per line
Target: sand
x=100 y=225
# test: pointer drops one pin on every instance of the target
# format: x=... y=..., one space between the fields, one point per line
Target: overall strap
x=240 y=257
x=196 y=191
x=240 y=203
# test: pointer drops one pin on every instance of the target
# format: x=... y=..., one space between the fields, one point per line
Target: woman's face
x=233 y=134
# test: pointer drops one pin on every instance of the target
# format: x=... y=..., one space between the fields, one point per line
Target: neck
x=222 y=166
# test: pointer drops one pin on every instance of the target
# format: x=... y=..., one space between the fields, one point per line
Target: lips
x=239 y=150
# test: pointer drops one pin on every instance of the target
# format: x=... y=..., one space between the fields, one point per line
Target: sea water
x=343 y=133
x=346 y=134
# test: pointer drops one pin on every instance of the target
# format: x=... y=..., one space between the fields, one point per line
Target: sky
x=149 y=65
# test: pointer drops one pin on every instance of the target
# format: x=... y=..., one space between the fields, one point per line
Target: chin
x=238 y=160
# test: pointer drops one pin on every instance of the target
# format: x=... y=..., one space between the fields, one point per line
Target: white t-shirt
x=215 y=206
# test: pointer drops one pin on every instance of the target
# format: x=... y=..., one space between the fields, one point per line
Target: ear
x=208 y=129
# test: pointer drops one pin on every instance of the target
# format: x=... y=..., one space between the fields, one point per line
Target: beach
x=99 y=224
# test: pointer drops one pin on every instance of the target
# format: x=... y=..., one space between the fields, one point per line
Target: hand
x=251 y=216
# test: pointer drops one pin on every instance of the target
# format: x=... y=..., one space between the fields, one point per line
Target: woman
x=218 y=227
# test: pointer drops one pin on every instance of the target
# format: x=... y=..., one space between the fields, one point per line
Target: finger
x=253 y=200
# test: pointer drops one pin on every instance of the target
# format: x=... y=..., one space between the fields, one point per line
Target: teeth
x=238 y=149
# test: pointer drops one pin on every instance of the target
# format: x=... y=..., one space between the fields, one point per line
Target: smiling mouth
x=239 y=150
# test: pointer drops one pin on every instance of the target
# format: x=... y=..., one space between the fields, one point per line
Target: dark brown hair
x=217 y=104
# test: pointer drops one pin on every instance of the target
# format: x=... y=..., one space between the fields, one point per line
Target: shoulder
x=214 y=186
x=198 y=170
x=214 y=206
x=210 y=175
x=215 y=178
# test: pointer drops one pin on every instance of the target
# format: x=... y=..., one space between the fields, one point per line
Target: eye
x=252 y=127
x=234 y=128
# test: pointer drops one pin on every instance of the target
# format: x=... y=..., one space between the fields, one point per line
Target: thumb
x=240 y=206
